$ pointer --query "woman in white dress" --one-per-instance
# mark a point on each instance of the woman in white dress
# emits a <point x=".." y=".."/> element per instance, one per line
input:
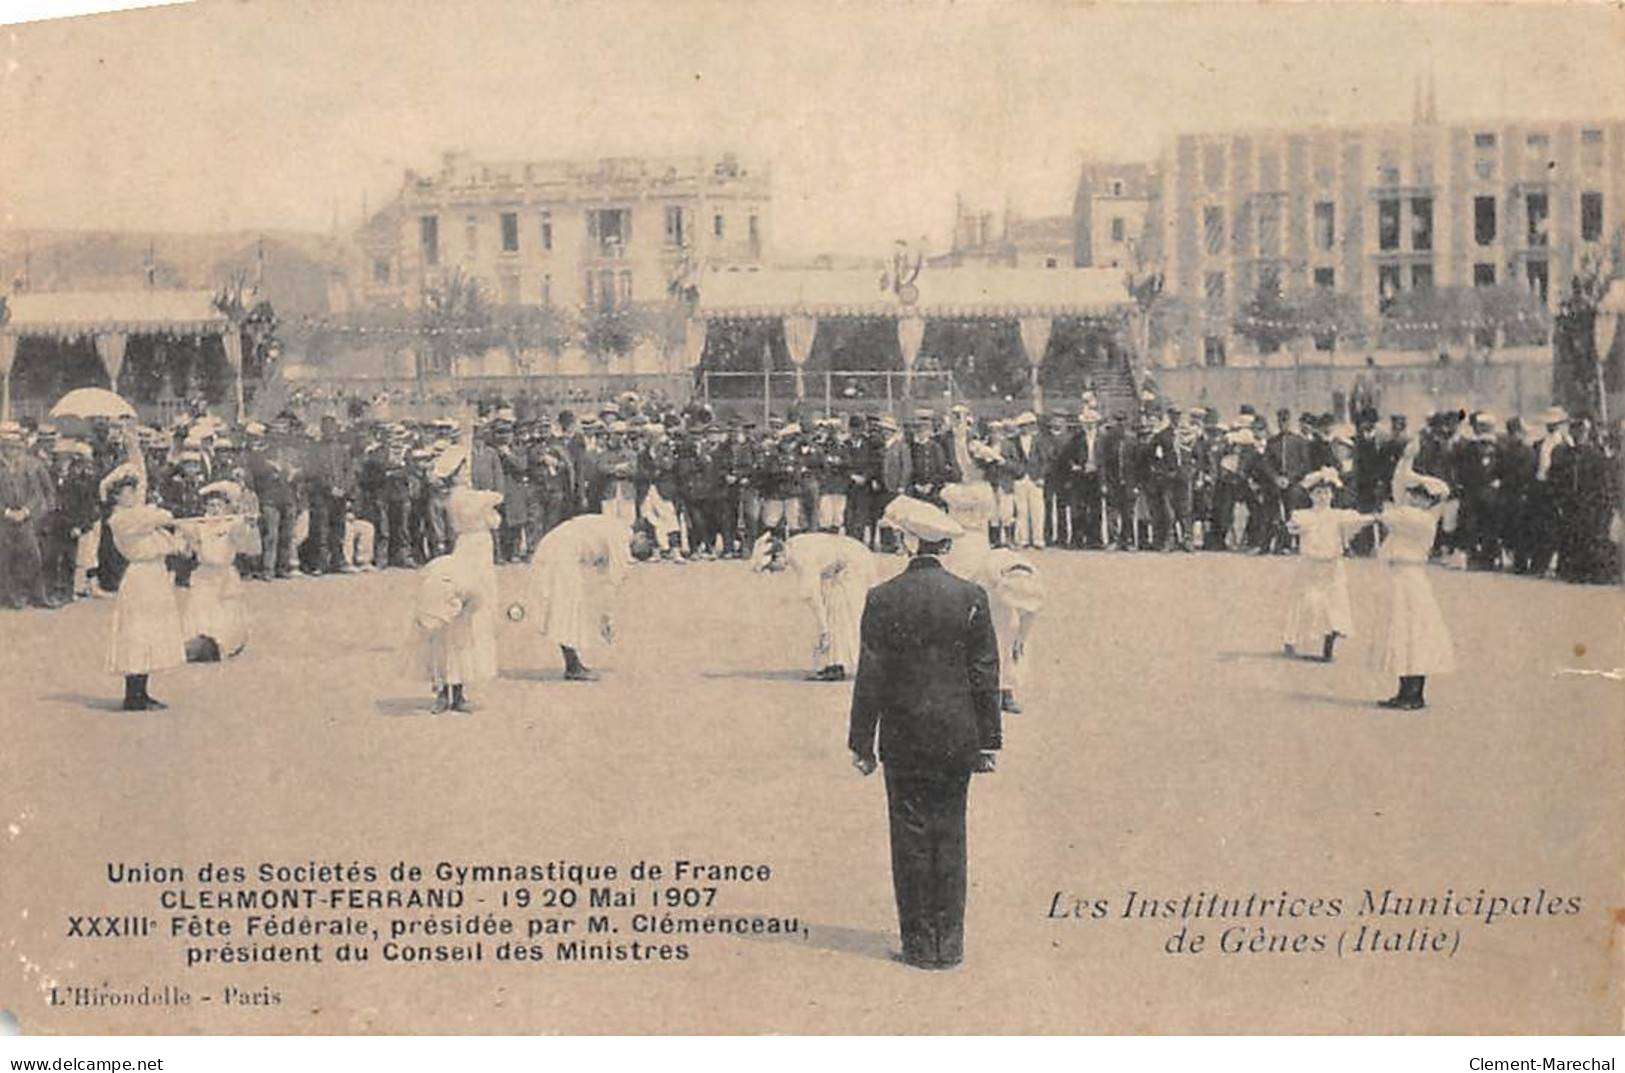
<point x="462" y="650"/>
<point x="1318" y="612"/>
<point x="834" y="574"/>
<point x="1418" y="642"/>
<point x="215" y="622"/>
<point x="146" y="618"/>
<point x="576" y="569"/>
<point x="1014" y="592"/>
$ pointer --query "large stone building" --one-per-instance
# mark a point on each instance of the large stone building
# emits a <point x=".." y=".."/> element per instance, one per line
<point x="574" y="233"/>
<point x="1371" y="212"/>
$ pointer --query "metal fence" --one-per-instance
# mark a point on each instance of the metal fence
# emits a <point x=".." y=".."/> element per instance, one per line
<point x="827" y="391"/>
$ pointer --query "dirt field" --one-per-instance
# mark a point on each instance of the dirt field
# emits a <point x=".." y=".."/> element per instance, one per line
<point x="1167" y="749"/>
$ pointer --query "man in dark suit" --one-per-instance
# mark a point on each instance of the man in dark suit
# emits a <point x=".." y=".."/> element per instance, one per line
<point x="928" y="679"/>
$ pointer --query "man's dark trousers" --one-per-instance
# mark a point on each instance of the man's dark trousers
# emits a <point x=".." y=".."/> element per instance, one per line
<point x="927" y="812"/>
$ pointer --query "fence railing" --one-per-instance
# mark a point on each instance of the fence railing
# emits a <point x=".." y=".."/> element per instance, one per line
<point x="828" y="391"/>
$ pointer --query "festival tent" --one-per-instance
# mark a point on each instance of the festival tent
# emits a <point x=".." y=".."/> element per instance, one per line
<point x="110" y="318"/>
<point x="1033" y="298"/>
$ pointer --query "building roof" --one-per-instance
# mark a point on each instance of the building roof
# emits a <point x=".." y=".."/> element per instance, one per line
<point x="970" y="291"/>
<point x="63" y="313"/>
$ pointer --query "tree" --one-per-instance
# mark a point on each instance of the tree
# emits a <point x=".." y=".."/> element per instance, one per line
<point x="455" y="323"/>
<point x="1576" y="382"/>
<point x="1268" y="320"/>
<point x="524" y="330"/>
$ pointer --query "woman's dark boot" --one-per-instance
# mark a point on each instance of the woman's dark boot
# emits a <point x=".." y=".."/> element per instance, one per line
<point x="135" y="691"/>
<point x="459" y="702"/>
<point x="1400" y="699"/>
<point x="574" y="669"/>
<point x="442" y="700"/>
<point x="1327" y="649"/>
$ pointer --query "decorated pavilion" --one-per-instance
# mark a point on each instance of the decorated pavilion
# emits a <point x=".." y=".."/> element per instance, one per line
<point x="802" y="300"/>
<point x="81" y="338"/>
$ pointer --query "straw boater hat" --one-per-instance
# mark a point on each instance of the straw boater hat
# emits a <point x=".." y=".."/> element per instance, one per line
<point x="10" y="432"/>
<point x="1554" y="415"/>
<point x="1025" y="418"/>
<point x="74" y="447"/>
<point x="920" y="519"/>
<point x="450" y="461"/>
<point x="230" y="491"/>
<point x="1326" y="477"/>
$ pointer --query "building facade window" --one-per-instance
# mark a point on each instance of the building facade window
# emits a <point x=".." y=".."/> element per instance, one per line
<point x="471" y="234"/>
<point x="624" y="289"/>
<point x="547" y="290"/>
<point x="1591" y="148"/>
<point x="1326" y="279"/>
<point x="510" y="288"/>
<point x="675" y="232"/>
<point x="1421" y="223"/>
<point x="1269" y="229"/>
<point x="1388" y="224"/>
<point x="1388" y="286"/>
<point x="1484" y="140"/>
<point x="380" y="271"/>
<point x="717" y="226"/>
<point x="1591" y="216"/>
<point x="1212" y="165"/>
<point x="1483" y="274"/>
<point x="1540" y="278"/>
<point x="1422" y="277"/>
<point x="510" y="232"/>
<point x="1537" y="148"/>
<point x="1213" y="289"/>
<point x="547" y="229"/>
<point x="1484" y="220"/>
<point x="1213" y="351"/>
<point x="754" y="225"/>
<point x="1117" y="188"/>
<point x="1538" y="209"/>
<point x="1118" y="229"/>
<point x="1325" y="225"/>
<point x="429" y="239"/>
<point x="1213" y="230"/>
<point x="610" y="230"/>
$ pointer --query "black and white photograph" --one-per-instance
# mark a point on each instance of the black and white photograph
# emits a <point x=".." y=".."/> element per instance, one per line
<point x="787" y="518"/>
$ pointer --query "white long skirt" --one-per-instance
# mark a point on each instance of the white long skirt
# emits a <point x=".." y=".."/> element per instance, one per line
<point x="844" y="595"/>
<point x="1320" y="604"/>
<point x="1418" y="641"/>
<point x="214" y="608"/>
<point x="569" y="598"/>
<point x="146" y="622"/>
<point x="474" y="639"/>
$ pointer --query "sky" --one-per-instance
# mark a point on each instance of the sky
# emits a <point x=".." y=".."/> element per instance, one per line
<point x="874" y="116"/>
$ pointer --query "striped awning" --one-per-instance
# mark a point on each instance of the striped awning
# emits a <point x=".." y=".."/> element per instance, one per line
<point x="73" y="313"/>
<point x="962" y="292"/>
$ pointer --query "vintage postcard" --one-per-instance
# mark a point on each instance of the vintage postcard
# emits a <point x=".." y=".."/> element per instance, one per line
<point x="726" y="518"/>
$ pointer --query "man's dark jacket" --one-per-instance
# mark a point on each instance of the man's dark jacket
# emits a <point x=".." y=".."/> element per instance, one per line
<point x="928" y="673"/>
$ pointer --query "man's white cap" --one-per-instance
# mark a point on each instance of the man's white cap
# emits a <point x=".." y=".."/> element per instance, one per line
<point x="920" y="519"/>
<point x="1026" y="417"/>
<point x="450" y="461"/>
